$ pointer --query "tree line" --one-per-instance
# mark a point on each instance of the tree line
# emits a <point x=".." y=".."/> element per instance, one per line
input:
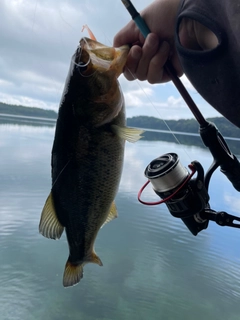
<point x="183" y="125"/>
<point x="26" y="111"/>
<point x="226" y="128"/>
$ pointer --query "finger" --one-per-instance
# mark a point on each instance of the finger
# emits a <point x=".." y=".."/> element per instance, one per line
<point x="156" y="65"/>
<point x="157" y="72"/>
<point x="176" y="64"/>
<point x="149" y="50"/>
<point x="132" y="62"/>
<point x="168" y="77"/>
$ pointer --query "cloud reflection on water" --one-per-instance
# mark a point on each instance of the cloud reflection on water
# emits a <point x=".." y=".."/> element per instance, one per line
<point x="153" y="267"/>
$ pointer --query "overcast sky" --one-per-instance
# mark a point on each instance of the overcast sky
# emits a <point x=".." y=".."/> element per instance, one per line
<point x="38" y="38"/>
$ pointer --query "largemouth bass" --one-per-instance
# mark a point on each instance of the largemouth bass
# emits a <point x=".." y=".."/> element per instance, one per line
<point x="87" y="154"/>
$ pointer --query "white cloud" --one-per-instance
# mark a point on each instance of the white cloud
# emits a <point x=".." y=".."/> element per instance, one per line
<point x="39" y="38"/>
<point x="138" y="98"/>
<point x="172" y="101"/>
<point x="145" y="99"/>
<point x="232" y="202"/>
<point x="27" y="101"/>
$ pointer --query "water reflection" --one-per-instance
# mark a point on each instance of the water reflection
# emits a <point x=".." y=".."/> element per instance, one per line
<point x="153" y="267"/>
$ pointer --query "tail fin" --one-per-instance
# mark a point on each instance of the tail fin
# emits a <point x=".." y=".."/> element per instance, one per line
<point x="73" y="273"/>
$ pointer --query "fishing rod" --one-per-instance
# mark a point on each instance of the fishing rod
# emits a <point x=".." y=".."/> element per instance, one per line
<point x="168" y="66"/>
<point x="187" y="198"/>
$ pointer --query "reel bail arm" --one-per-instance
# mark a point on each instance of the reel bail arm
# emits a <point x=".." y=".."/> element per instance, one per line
<point x="190" y="200"/>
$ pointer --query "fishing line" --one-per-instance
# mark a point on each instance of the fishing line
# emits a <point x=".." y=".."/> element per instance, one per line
<point x="82" y="65"/>
<point x="146" y="95"/>
<point x="134" y="77"/>
<point x="34" y="14"/>
<point x="164" y="121"/>
<point x="64" y="20"/>
<point x="152" y="104"/>
<point x="61" y="172"/>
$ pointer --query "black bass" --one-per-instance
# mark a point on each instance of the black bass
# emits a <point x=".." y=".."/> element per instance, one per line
<point x="87" y="153"/>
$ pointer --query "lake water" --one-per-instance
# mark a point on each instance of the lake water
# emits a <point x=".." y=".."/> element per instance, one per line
<point x="153" y="267"/>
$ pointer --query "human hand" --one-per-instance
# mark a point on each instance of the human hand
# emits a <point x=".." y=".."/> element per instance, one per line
<point x="147" y="57"/>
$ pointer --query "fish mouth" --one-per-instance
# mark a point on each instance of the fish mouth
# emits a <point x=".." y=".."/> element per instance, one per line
<point x="97" y="56"/>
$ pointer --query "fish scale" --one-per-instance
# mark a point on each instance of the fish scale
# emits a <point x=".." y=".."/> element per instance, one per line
<point x="87" y="154"/>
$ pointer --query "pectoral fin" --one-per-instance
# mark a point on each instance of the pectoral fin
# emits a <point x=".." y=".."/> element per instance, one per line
<point x="49" y="225"/>
<point x="112" y="214"/>
<point x="126" y="133"/>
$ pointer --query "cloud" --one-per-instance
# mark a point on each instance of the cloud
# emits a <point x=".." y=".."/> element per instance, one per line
<point x="138" y="97"/>
<point x="232" y="202"/>
<point x="146" y="99"/>
<point x="38" y="39"/>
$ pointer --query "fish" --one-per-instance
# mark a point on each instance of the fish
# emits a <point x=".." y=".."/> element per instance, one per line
<point x="87" y="153"/>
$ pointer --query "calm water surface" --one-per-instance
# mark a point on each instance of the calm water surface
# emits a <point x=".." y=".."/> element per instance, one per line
<point x="153" y="267"/>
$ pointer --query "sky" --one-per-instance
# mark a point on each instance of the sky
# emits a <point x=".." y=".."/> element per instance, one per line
<point x="38" y="39"/>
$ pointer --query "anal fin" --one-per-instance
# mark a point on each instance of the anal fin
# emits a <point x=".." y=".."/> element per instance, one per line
<point x="113" y="214"/>
<point x="93" y="258"/>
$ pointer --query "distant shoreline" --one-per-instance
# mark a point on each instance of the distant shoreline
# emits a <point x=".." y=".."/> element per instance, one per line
<point x="26" y="117"/>
<point x="186" y="130"/>
<point x="184" y="126"/>
<point x="15" y="110"/>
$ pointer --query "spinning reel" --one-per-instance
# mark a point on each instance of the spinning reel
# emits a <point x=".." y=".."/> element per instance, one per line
<point x="187" y="198"/>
